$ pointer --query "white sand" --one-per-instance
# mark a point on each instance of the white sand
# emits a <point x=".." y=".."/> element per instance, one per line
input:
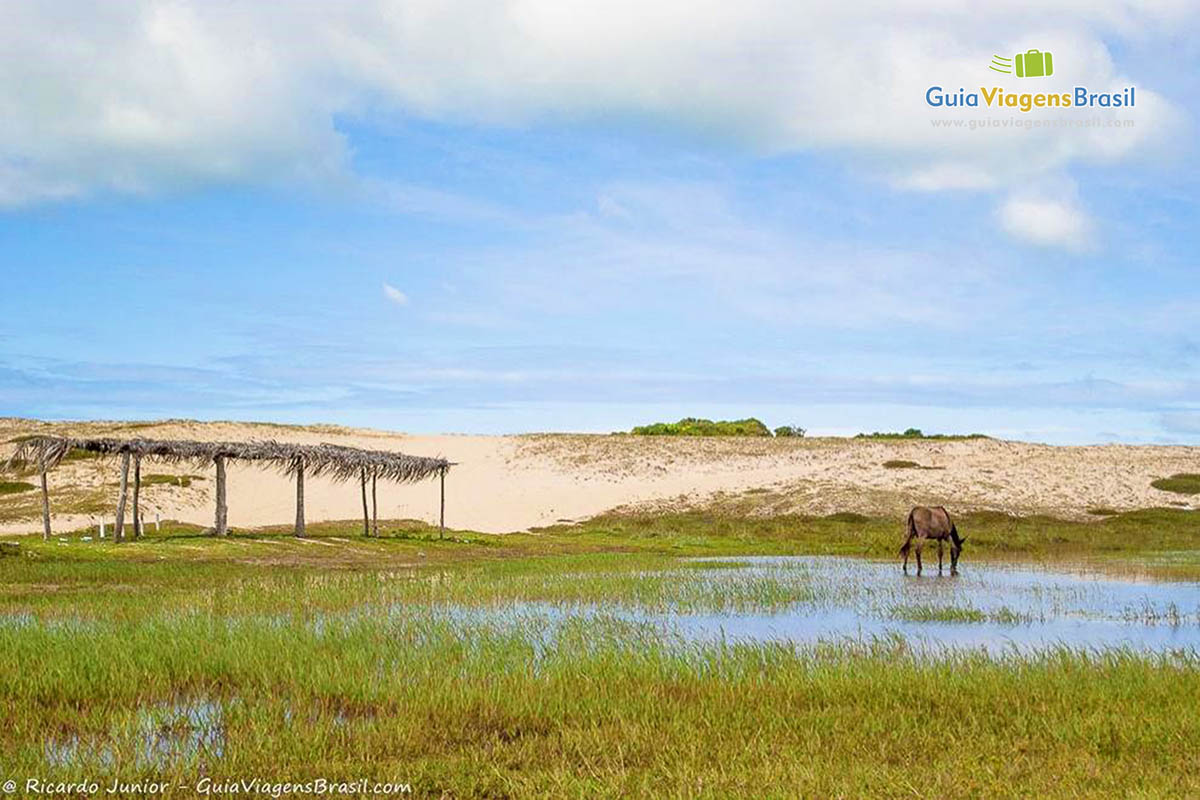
<point x="510" y="483"/>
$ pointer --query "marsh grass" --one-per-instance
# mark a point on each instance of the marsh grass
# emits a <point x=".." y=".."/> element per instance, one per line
<point x="263" y="655"/>
<point x="475" y="709"/>
<point x="964" y="614"/>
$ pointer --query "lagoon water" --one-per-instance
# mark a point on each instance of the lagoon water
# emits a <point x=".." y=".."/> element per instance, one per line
<point x="997" y="607"/>
<point x="1009" y="607"/>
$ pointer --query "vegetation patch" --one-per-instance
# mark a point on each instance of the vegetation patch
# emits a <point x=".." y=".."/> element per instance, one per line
<point x="82" y="455"/>
<point x="155" y="479"/>
<point x="1181" y="483"/>
<point x="916" y="433"/>
<point x="692" y="426"/>
<point x="790" y="430"/>
<point x="961" y="614"/>
<point x="15" y="487"/>
<point x="848" y="516"/>
<point x="218" y="656"/>
<point x="899" y="463"/>
<point x="1103" y="512"/>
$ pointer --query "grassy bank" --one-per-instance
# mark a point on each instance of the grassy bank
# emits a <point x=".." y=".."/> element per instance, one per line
<point x="480" y="711"/>
<point x="179" y="656"/>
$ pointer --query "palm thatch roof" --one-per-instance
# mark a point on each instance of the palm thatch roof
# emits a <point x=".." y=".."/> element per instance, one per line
<point x="338" y="462"/>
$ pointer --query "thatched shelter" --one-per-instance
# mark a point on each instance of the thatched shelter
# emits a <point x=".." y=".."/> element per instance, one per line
<point x="337" y="462"/>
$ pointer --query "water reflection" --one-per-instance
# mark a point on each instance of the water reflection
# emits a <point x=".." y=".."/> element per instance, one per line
<point x="996" y="607"/>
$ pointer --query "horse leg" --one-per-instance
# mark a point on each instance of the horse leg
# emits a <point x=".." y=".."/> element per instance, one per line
<point x="939" y="556"/>
<point x="920" y="547"/>
<point x="904" y="548"/>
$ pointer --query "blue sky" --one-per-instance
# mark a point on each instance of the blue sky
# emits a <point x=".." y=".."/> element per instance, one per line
<point x="516" y="219"/>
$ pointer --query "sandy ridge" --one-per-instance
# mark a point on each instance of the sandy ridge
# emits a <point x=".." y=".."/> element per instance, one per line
<point x="508" y="483"/>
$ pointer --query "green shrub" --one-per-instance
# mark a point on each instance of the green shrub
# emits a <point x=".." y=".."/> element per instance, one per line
<point x="691" y="426"/>
<point x="790" y="430"/>
<point x="1181" y="483"/>
<point x="917" y="433"/>
<point x="899" y="463"/>
<point x="15" y="487"/>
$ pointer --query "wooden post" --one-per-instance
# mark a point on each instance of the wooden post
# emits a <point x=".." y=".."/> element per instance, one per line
<point x="299" y="497"/>
<point x="137" y="485"/>
<point x="442" y="511"/>
<point x="374" y="507"/>
<point x="362" y="479"/>
<point x="45" y="508"/>
<point x="119" y="529"/>
<point x="221" y="523"/>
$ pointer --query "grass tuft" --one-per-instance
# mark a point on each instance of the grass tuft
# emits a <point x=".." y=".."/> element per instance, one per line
<point x="1181" y="483"/>
<point x="155" y="479"/>
<point x="900" y="463"/>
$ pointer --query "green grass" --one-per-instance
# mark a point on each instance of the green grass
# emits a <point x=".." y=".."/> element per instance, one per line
<point x="82" y="455"/>
<point x="963" y="614"/>
<point x="477" y="710"/>
<point x="155" y="479"/>
<point x="15" y="487"/>
<point x="260" y="655"/>
<point x="691" y="426"/>
<point x="1182" y="483"/>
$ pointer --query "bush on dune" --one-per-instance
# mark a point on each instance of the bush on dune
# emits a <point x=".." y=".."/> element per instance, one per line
<point x="917" y="433"/>
<point x="692" y="426"/>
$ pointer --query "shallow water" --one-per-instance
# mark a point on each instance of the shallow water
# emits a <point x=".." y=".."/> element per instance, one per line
<point x="1018" y="607"/>
<point x="995" y="607"/>
<point x="159" y="734"/>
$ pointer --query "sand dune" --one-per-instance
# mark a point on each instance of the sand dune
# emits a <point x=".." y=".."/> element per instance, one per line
<point x="509" y="483"/>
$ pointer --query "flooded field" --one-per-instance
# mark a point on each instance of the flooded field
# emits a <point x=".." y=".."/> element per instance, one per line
<point x="589" y="669"/>
<point x="996" y="607"/>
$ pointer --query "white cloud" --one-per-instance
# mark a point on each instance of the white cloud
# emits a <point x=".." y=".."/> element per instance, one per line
<point x="147" y="96"/>
<point x="939" y="177"/>
<point x="395" y="295"/>
<point x="1047" y="222"/>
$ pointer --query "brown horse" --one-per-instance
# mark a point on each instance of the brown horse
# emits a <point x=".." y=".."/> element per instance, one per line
<point x="931" y="523"/>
